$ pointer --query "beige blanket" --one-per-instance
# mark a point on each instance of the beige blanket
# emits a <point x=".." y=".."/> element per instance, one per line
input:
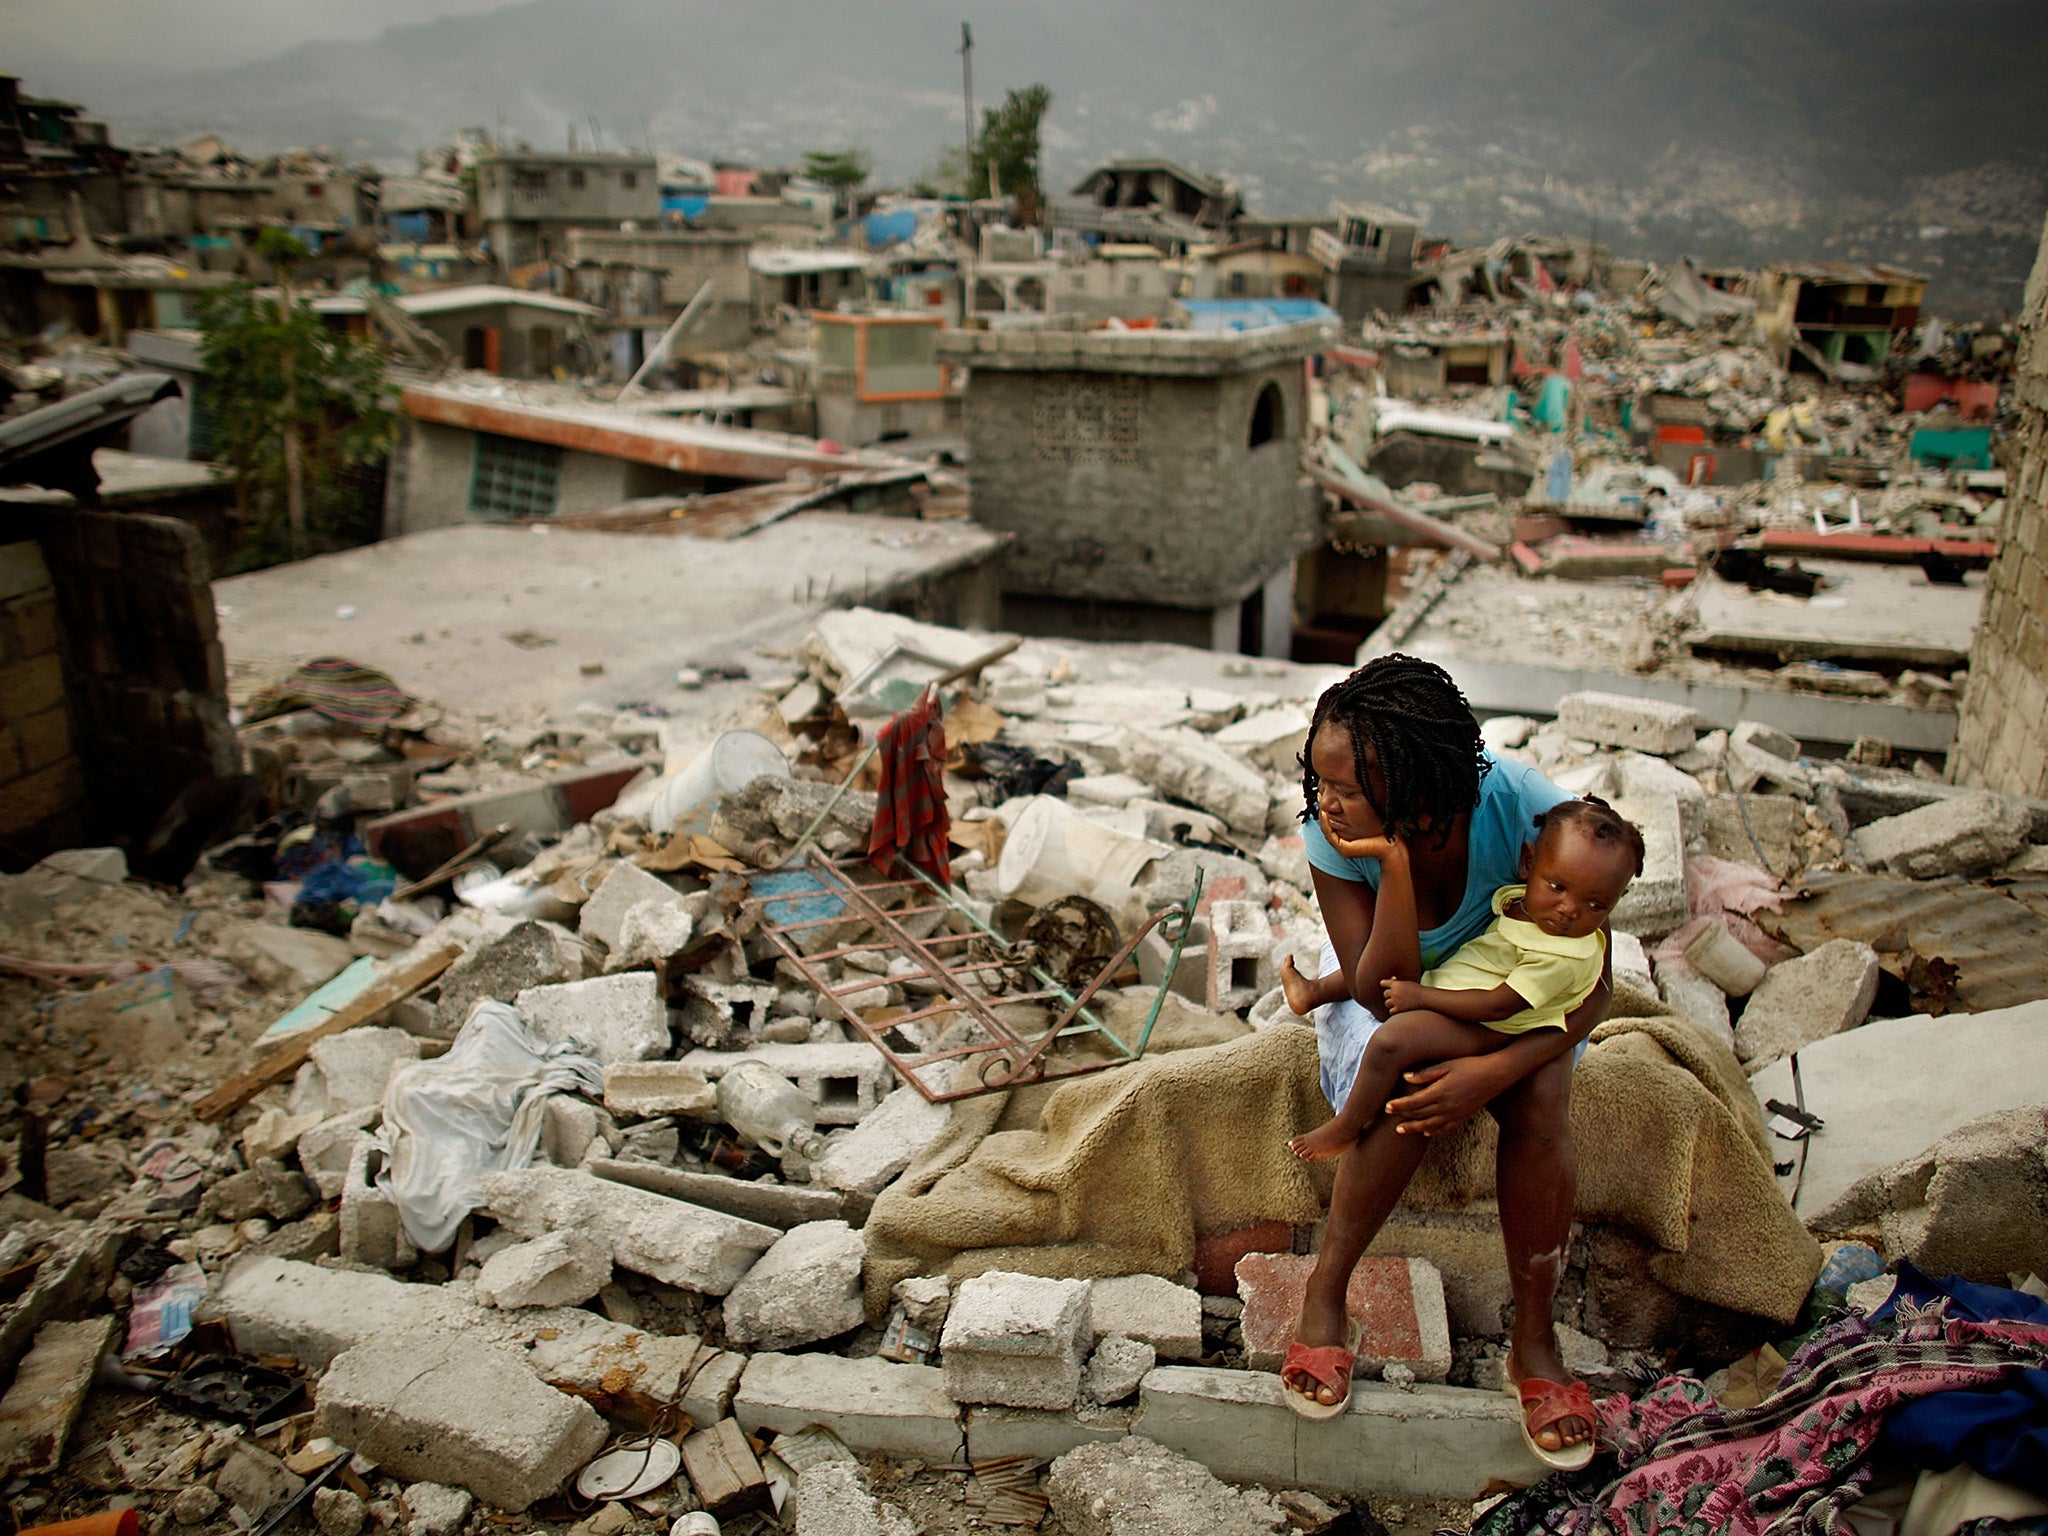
<point x="1119" y="1172"/>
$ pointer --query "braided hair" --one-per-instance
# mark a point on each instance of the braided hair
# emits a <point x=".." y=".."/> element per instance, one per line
<point x="1421" y="731"/>
<point x="1599" y="821"/>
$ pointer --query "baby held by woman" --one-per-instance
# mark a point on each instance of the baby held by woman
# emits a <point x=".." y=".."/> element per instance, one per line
<point x="1540" y="958"/>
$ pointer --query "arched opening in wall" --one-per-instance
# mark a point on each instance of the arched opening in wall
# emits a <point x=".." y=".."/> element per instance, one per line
<point x="1267" y="414"/>
<point x="1030" y="293"/>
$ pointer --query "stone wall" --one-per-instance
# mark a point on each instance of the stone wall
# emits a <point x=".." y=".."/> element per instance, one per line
<point x="2003" y="740"/>
<point x="138" y="670"/>
<point x="42" y="788"/>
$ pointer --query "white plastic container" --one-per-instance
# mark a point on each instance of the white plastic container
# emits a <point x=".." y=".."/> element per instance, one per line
<point x="730" y="763"/>
<point x="1725" y="960"/>
<point x="1052" y="852"/>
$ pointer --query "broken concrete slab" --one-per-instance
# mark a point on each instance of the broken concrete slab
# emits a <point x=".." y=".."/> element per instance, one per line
<point x="1806" y="999"/>
<point x="775" y="1205"/>
<point x="310" y="1314"/>
<point x="1430" y="1442"/>
<point x="1016" y="1340"/>
<point x="1152" y="1310"/>
<point x="435" y="1509"/>
<point x="372" y="1228"/>
<point x="1761" y="755"/>
<point x="558" y="1269"/>
<point x="1116" y="1368"/>
<point x="1687" y="992"/>
<point x="273" y="955"/>
<point x="650" y="1088"/>
<point x="1975" y="1203"/>
<point x="682" y="1245"/>
<point x="1968" y="835"/>
<point x="805" y="1288"/>
<point x="618" y="1018"/>
<point x="1187" y="766"/>
<point x="625" y="887"/>
<point x="1893" y="1088"/>
<point x="845" y="1081"/>
<point x="256" y="1482"/>
<point x="1397" y="1303"/>
<point x="868" y="1158"/>
<point x="1137" y="1484"/>
<point x="348" y="1071"/>
<point x="532" y="954"/>
<point x="1655" y="901"/>
<point x="458" y="1411"/>
<point x="1272" y="739"/>
<point x="832" y="1498"/>
<point x="873" y="1405"/>
<point x="1616" y="720"/>
<point x="49" y="1387"/>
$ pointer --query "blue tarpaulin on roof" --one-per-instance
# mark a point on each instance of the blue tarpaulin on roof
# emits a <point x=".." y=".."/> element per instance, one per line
<point x="888" y="228"/>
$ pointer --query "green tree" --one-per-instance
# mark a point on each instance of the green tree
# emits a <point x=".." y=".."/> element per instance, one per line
<point x="295" y="406"/>
<point x="1008" y="149"/>
<point x="843" y="170"/>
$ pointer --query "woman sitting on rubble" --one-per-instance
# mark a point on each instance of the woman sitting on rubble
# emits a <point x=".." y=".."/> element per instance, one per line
<point x="1394" y="752"/>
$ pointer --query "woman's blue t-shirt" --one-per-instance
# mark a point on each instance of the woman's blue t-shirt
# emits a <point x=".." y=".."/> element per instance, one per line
<point x="1511" y="797"/>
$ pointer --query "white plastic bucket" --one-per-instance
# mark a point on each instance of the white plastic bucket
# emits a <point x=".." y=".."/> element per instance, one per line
<point x="1724" y="960"/>
<point x="730" y="763"/>
<point x="1051" y="852"/>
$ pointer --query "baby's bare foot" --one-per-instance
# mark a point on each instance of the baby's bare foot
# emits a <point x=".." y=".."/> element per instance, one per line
<point x="1326" y="1141"/>
<point x="1301" y="996"/>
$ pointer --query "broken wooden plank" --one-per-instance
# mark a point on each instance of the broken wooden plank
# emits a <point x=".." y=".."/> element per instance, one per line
<point x="39" y="1410"/>
<point x="281" y="1063"/>
<point x="723" y="1467"/>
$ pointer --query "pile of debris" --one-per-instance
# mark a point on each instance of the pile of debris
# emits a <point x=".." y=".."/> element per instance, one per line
<point x="529" y="1143"/>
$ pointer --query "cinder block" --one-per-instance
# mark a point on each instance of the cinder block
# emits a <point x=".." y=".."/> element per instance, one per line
<point x="372" y="1231"/>
<point x="619" y="1018"/>
<point x="846" y="1081"/>
<point x="1150" y="1309"/>
<point x="1799" y="1001"/>
<point x="1616" y="720"/>
<point x="720" y="1014"/>
<point x="1016" y="1340"/>
<point x="805" y="1288"/>
<point x="873" y="1405"/>
<point x="994" y="1432"/>
<point x="432" y="1408"/>
<point x="1191" y="975"/>
<point x="1397" y="1303"/>
<point x="649" y="1088"/>
<point x="1240" y="950"/>
<point x="559" y="1269"/>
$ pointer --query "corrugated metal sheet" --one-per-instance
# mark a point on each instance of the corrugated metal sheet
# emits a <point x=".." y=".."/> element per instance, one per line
<point x="1994" y="934"/>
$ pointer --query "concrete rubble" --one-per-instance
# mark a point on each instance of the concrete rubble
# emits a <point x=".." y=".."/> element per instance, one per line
<point x="653" y="1249"/>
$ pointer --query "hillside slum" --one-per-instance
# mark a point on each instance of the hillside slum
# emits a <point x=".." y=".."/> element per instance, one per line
<point x="611" y="1144"/>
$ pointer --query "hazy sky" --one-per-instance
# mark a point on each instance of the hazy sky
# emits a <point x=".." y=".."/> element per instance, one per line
<point x="58" y="45"/>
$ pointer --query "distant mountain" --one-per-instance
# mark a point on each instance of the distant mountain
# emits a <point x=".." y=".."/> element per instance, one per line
<point x="1901" y="130"/>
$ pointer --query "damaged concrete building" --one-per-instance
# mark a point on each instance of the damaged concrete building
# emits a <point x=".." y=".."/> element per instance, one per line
<point x="1150" y="479"/>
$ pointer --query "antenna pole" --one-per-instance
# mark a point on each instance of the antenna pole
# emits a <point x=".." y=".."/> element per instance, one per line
<point x="967" y="90"/>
